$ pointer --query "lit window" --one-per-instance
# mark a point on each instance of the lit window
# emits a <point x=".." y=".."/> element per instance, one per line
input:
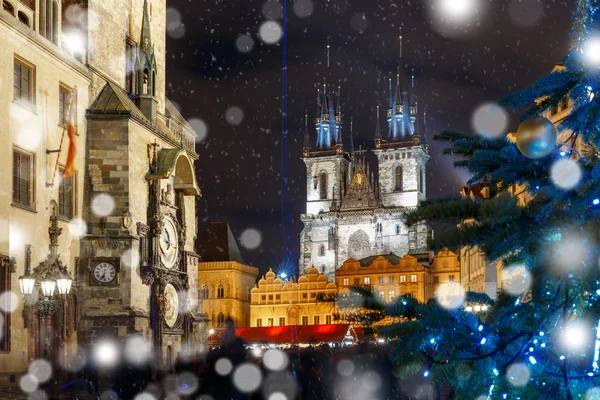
<point x="367" y="280"/>
<point x="281" y="321"/>
<point x="259" y="322"/>
<point x="205" y="292"/>
<point x="220" y="320"/>
<point x="220" y="292"/>
<point x="269" y="321"/>
<point x="391" y="295"/>
<point x="451" y="278"/>
<point x="391" y="279"/>
<point x="413" y="278"/>
<point x="380" y="280"/>
<point x="65" y="197"/>
<point x="381" y="295"/>
<point x="23" y="82"/>
<point x="345" y="281"/>
<point x="402" y="278"/>
<point x="23" y="173"/>
<point x="316" y="320"/>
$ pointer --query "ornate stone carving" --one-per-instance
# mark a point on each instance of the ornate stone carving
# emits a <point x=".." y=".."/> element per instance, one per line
<point x="10" y="262"/>
<point x="157" y="224"/>
<point x="142" y="229"/>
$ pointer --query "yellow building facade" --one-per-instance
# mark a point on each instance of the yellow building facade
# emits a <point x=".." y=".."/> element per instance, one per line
<point x="225" y="292"/>
<point x="276" y="302"/>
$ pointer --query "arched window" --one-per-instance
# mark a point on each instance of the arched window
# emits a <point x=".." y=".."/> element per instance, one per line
<point x="323" y="188"/>
<point x="23" y="18"/>
<point x="321" y="250"/>
<point x="220" y="292"/>
<point x="397" y="229"/>
<point x="322" y="269"/>
<point x="398" y="179"/>
<point x="422" y="181"/>
<point x="9" y="8"/>
<point x="205" y="292"/>
<point x="220" y="320"/>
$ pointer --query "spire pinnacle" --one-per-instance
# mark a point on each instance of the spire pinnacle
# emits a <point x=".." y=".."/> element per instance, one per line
<point x="351" y="135"/>
<point x="377" y="127"/>
<point x="413" y="79"/>
<point x="306" y="138"/>
<point x="146" y="39"/>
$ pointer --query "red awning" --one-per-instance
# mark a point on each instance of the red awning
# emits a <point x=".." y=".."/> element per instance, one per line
<point x="297" y="333"/>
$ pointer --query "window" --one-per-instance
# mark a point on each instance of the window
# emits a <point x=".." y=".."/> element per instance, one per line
<point x="313" y="295"/>
<point x="356" y="281"/>
<point x="381" y="295"/>
<point x="23" y="18"/>
<point x="413" y="278"/>
<point x="451" y="278"/>
<point x="270" y="297"/>
<point x="281" y="321"/>
<point x="23" y="178"/>
<point x="436" y="279"/>
<point x="278" y="297"/>
<point x="345" y="282"/>
<point x="130" y="68"/>
<point x="321" y="250"/>
<point x="205" y="292"/>
<point x="259" y="322"/>
<point x="391" y="279"/>
<point x="304" y="296"/>
<point x="5" y="305"/>
<point x="220" y="320"/>
<point x="316" y="320"/>
<point x="65" y="197"/>
<point x="367" y="280"/>
<point x="398" y="179"/>
<point x="6" y="6"/>
<point x="264" y="297"/>
<point x="402" y="278"/>
<point x="323" y="188"/>
<point x="328" y="319"/>
<point x="49" y="20"/>
<point x="380" y="280"/>
<point x="23" y="82"/>
<point x="269" y="321"/>
<point x="391" y="295"/>
<point x="422" y="182"/>
<point x="305" y="320"/>
<point x="397" y="229"/>
<point x="220" y="292"/>
<point x="64" y="102"/>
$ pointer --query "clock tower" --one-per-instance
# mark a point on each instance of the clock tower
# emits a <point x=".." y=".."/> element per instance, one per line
<point x="137" y="270"/>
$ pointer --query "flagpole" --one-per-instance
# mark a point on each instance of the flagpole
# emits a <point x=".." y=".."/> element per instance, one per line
<point x="62" y="137"/>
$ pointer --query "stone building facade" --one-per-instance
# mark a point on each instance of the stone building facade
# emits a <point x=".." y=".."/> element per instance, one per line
<point x="278" y="302"/>
<point x="225" y="291"/>
<point x="133" y="186"/>
<point x="38" y="74"/>
<point x="353" y="211"/>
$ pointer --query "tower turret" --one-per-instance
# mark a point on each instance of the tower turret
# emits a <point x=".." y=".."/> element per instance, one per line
<point x="146" y="71"/>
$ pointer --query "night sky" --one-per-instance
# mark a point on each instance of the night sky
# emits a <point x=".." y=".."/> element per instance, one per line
<point x="507" y="46"/>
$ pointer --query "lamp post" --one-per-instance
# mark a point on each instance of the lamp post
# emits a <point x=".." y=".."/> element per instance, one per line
<point x="51" y="277"/>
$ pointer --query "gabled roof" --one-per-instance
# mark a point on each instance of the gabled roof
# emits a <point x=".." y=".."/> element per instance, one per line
<point x="113" y="100"/>
<point x="218" y="244"/>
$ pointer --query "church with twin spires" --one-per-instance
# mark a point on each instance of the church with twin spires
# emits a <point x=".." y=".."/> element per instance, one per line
<point x="353" y="211"/>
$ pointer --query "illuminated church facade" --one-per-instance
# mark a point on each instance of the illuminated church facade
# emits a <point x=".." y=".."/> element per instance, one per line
<point x="352" y="210"/>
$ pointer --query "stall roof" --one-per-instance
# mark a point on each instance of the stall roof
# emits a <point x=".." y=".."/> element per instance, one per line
<point x="298" y="333"/>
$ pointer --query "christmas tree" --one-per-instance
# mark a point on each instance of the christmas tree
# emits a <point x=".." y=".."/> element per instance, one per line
<point x="541" y="337"/>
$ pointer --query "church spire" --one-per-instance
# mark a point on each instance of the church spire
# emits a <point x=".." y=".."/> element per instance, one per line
<point x="306" y="147"/>
<point x="146" y="39"/>
<point x="377" y="131"/>
<point x="351" y="136"/>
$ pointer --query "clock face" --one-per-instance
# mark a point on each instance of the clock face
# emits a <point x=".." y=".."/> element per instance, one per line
<point x="104" y="272"/>
<point x="169" y="243"/>
<point x="171" y="305"/>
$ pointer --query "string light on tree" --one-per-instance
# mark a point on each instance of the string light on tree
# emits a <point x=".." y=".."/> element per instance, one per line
<point x="591" y="51"/>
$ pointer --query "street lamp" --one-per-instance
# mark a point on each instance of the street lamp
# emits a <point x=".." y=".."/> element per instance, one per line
<point x="51" y="274"/>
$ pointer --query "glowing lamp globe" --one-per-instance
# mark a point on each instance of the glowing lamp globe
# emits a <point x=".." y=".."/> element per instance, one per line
<point x="64" y="283"/>
<point x="48" y="285"/>
<point x="591" y="50"/>
<point x="26" y="282"/>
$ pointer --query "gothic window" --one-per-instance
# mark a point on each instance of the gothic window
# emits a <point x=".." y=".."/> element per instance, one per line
<point x="130" y="60"/>
<point x="321" y="250"/>
<point x="398" y="179"/>
<point x="220" y="320"/>
<point x="322" y="269"/>
<point x="323" y="188"/>
<point x="220" y="292"/>
<point x="397" y="229"/>
<point x="145" y="82"/>
<point x="358" y="245"/>
<point x="24" y="18"/>
<point x="422" y="181"/>
<point x="205" y="292"/>
<point x="49" y="20"/>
